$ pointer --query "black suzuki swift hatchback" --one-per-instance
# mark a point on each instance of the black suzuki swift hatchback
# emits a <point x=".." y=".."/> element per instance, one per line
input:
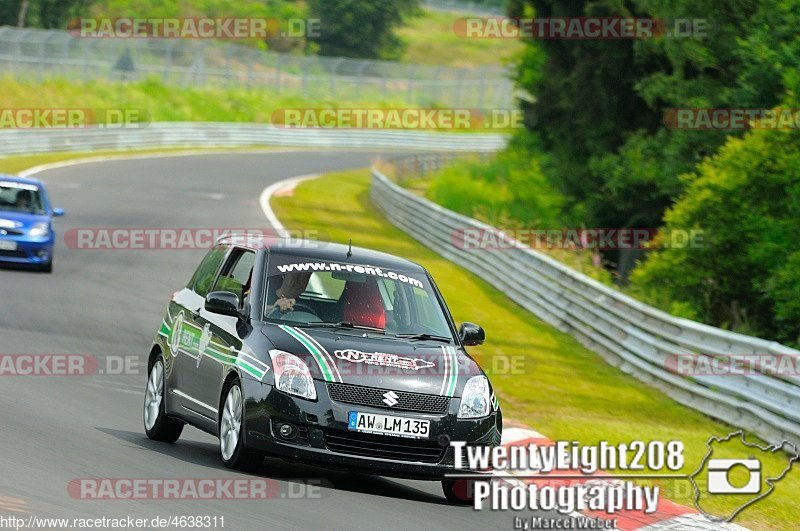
<point x="322" y="353"/>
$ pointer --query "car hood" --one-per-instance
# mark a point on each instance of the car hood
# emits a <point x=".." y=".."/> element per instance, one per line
<point x="20" y="220"/>
<point x="374" y="361"/>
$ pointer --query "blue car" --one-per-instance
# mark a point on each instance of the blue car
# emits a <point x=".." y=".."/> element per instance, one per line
<point x="26" y="223"/>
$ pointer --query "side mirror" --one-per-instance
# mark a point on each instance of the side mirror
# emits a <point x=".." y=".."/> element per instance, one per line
<point x="58" y="212"/>
<point x="471" y="334"/>
<point x="223" y="303"/>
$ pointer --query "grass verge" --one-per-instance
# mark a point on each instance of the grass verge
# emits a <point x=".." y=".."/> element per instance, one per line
<point x="163" y="103"/>
<point x="431" y="40"/>
<point x="563" y="390"/>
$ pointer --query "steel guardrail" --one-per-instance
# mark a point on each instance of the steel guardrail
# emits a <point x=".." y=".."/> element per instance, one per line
<point x="637" y="338"/>
<point x="207" y="134"/>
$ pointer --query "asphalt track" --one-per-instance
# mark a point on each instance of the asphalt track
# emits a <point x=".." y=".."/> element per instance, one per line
<point x="110" y="303"/>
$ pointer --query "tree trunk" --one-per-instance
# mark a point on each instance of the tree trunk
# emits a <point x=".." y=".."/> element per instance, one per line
<point x="23" y="13"/>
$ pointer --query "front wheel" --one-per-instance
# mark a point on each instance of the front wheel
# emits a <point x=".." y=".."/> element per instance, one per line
<point x="157" y="424"/>
<point x="232" y="450"/>
<point x="459" y="491"/>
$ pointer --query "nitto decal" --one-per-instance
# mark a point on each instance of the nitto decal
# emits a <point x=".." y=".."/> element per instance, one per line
<point x="384" y="360"/>
<point x="328" y="368"/>
<point x="450" y="371"/>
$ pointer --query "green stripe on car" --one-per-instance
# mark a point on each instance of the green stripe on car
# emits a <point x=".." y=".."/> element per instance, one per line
<point x="451" y="387"/>
<point x="227" y="359"/>
<point x="313" y="350"/>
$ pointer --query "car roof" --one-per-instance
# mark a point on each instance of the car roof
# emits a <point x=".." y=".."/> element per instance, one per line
<point x="20" y="180"/>
<point x="323" y="251"/>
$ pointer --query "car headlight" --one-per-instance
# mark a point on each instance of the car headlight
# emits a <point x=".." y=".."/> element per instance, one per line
<point x="39" y="229"/>
<point x="292" y="375"/>
<point x="475" y="398"/>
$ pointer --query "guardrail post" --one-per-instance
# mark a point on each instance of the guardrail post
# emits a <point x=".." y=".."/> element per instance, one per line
<point x="278" y="68"/>
<point x="457" y="89"/>
<point x="229" y="50"/>
<point x="42" y="54"/>
<point x="360" y="77"/>
<point x="410" y="80"/>
<point x="482" y="86"/>
<point x="332" y="74"/>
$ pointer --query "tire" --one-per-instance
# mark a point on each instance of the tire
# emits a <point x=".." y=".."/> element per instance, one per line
<point x="459" y="492"/>
<point x="46" y="267"/>
<point x="231" y="426"/>
<point x="157" y="424"/>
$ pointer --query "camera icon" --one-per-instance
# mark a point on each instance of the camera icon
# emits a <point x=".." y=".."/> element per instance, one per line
<point x="720" y="483"/>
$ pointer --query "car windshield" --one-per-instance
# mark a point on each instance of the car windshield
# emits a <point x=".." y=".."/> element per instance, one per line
<point x="354" y="296"/>
<point x="20" y="197"/>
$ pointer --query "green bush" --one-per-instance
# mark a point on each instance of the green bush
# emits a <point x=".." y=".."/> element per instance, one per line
<point x="511" y="192"/>
<point x="746" y="276"/>
<point x="509" y="189"/>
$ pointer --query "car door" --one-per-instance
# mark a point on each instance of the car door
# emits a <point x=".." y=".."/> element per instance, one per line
<point x="220" y="337"/>
<point x="189" y="335"/>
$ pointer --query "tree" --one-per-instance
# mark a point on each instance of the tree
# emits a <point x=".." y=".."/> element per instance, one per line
<point x="41" y="13"/>
<point x="360" y="28"/>
<point x="600" y="104"/>
<point x="746" y="200"/>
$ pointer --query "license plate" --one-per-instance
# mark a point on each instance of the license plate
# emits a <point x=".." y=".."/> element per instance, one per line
<point x="7" y="245"/>
<point x="388" y="425"/>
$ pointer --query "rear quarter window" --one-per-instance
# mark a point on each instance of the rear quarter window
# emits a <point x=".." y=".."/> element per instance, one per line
<point x="204" y="277"/>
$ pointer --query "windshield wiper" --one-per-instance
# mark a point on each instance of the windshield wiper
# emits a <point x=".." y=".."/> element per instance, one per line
<point x="342" y="324"/>
<point x="424" y="337"/>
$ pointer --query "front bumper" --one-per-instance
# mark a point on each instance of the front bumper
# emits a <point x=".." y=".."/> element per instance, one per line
<point x="326" y="441"/>
<point x="28" y="250"/>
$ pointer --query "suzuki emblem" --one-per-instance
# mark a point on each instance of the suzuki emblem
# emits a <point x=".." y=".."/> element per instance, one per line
<point x="390" y="398"/>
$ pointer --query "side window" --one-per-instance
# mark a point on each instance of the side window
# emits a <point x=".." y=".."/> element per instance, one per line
<point x="235" y="276"/>
<point x="204" y="276"/>
<point x="425" y="309"/>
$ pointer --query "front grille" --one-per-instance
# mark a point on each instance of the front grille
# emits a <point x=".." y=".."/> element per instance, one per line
<point x="373" y="397"/>
<point x="13" y="254"/>
<point x="397" y="448"/>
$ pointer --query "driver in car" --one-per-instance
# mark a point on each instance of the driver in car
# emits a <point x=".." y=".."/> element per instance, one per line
<point x="292" y="286"/>
<point x="23" y="200"/>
